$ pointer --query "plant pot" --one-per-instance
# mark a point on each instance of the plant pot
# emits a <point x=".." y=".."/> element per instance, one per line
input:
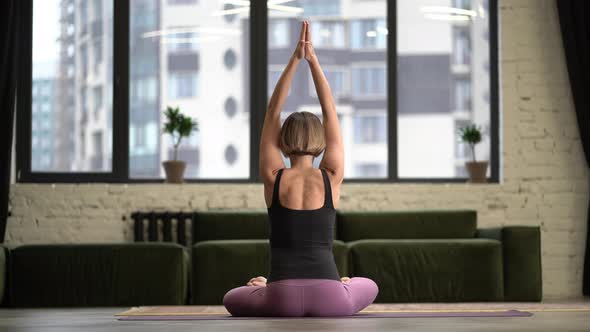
<point x="174" y="170"/>
<point x="477" y="171"/>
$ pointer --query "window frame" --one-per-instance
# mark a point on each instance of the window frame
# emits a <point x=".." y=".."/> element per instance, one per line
<point x="258" y="96"/>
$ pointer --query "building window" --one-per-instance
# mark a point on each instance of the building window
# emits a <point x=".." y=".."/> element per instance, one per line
<point x="182" y="85"/>
<point x="369" y="82"/>
<point x="139" y="136"/>
<point x="337" y="79"/>
<point x="278" y="33"/>
<point x="462" y="4"/>
<point x="97" y="97"/>
<point x="229" y="17"/>
<point x="328" y="34"/>
<point x="370" y="170"/>
<point x="97" y="55"/>
<point x="144" y="90"/>
<point x="230" y="107"/>
<point x="319" y="8"/>
<point x="97" y="9"/>
<point x="181" y="41"/>
<point x="83" y="14"/>
<point x="369" y="33"/>
<point x="273" y="78"/>
<point x="463" y="95"/>
<point x="97" y="159"/>
<point x="462" y="46"/>
<point x="84" y="60"/>
<point x="230" y="59"/>
<point x="370" y="129"/>
<point x="231" y="154"/>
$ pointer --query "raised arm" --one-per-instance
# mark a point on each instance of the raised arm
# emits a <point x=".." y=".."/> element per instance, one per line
<point x="333" y="159"/>
<point x="270" y="155"/>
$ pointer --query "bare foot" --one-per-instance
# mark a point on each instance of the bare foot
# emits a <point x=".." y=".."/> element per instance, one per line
<point x="258" y="281"/>
<point x="345" y="280"/>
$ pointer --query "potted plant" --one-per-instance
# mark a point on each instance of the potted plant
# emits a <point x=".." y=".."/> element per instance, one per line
<point x="477" y="170"/>
<point x="178" y="126"/>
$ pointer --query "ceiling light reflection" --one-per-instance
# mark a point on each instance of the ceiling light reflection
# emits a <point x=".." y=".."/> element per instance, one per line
<point x="200" y="30"/>
<point x="447" y="10"/>
<point x="446" y="17"/>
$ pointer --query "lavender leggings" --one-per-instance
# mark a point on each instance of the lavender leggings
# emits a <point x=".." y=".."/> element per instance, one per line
<point x="302" y="297"/>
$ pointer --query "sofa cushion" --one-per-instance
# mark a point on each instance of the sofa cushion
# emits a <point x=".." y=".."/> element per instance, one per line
<point x="430" y="270"/>
<point x="122" y="274"/>
<point x="230" y="225"/>
<point x="429" y="224"/>
<point x="220" y="265"/>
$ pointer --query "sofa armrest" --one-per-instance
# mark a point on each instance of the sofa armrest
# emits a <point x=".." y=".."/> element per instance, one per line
<point x="521" y="254"/>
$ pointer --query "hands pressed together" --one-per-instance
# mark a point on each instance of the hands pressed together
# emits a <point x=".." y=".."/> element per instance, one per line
<point x="258" y="281"/>
<point x="304" y="47"/>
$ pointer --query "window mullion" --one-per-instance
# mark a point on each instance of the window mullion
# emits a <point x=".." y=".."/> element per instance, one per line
<point x="258" y="80"/>
<point x="392" y="162"/>
<point x="494" y="93"/>
<point x="120" y="138"/>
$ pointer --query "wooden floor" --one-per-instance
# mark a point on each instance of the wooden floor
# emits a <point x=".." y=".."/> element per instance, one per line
<point x="549" y="316"/>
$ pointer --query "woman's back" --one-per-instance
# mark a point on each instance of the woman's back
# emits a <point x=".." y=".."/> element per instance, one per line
<point x="301" y="239"/>
<point x="301" y="189"/>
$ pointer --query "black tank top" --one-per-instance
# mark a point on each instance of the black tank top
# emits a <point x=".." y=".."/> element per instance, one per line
<point x="301" y="240"/>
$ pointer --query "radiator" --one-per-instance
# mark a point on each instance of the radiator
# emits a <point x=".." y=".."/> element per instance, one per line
<point x="164" y="226"/>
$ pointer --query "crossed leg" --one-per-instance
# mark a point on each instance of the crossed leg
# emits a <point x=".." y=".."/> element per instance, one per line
<point x="363" y="292"/>
<point x="246" y="301"/>
<point x="302" y="298"/>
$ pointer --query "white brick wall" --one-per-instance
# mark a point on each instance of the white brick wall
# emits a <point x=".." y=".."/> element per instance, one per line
<point x="545" y="178"/>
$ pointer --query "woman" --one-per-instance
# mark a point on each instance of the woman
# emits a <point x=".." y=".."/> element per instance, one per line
<point x="303" y="278"/>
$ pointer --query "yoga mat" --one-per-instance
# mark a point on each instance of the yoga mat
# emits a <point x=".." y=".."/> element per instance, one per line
<point x="380" y="314"/>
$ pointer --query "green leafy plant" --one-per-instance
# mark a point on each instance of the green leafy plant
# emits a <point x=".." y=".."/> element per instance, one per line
<point x="178" y="126"/>
<point x="471" y="134"/>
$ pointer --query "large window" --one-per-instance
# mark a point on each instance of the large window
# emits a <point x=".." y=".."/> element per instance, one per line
<point x="70" y="118"/>
<point x="404" y="79"/>
<point x="188" y="56"/>
<point x="442" y="80"/>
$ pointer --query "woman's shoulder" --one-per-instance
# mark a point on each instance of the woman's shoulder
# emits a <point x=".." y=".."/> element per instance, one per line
<point x="268" y="176"/>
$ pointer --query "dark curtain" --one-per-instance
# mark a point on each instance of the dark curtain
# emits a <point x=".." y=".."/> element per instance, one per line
<point x="10" y="13"/>
<point x="574" y="16"/>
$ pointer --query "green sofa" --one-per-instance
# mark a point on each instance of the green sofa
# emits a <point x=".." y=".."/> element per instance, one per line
<point x="75" y="275"/>
<point x="413" y="256"/>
